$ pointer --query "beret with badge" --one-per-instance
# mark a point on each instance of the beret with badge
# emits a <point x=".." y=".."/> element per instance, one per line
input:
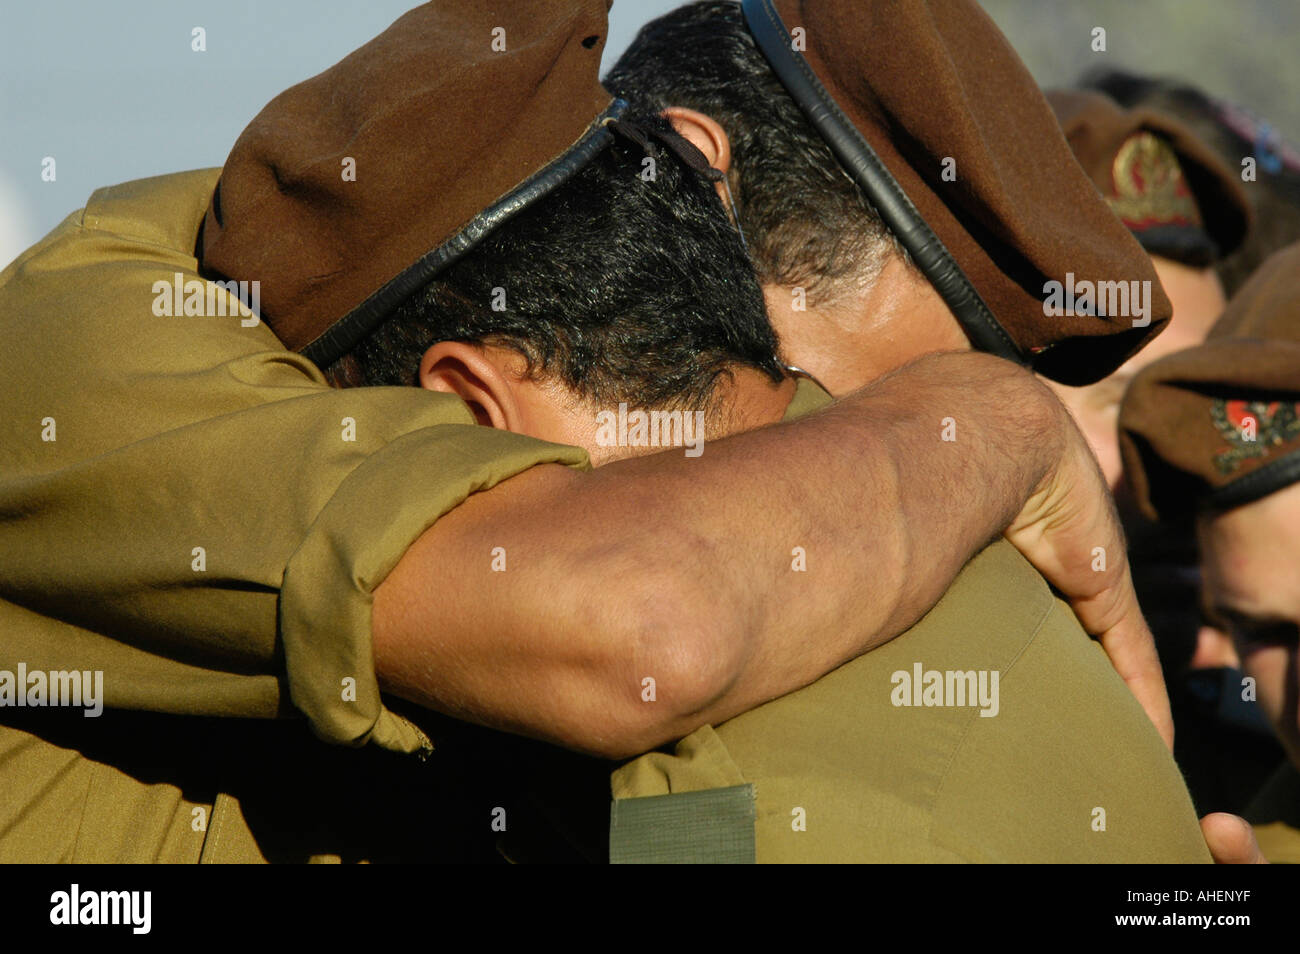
<point x="1174" y="194"/>
<point x="1218" y="426"/>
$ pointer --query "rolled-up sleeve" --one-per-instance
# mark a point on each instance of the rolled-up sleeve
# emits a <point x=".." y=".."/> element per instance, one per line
<point x="191" y="509"/>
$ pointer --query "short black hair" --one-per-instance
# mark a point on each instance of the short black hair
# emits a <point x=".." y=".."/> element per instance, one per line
<point x="627" y="283"/>
<point x="1225" y="128"/>
<point x="807" y="223"/>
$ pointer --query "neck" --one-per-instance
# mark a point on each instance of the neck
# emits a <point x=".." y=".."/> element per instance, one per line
<point x="863" y="333"/>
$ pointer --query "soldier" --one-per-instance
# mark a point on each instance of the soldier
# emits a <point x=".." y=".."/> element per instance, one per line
<point x="849" y="133"/>
<point x="893" y="202"/>
<point x="1184" y="207"/>
<point x="888" y="203"/>
<point x="1213" y="433"/>
<point x="194" y="512"/>
<point x="1267" y="163"/>
<point x="1190" y="213"/>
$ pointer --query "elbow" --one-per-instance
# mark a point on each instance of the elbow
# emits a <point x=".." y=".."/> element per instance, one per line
<point x="678" y="661"/>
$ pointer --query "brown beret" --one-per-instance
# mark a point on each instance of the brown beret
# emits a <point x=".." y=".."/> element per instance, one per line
<point x="1167" y="186"/>
<point x="1218" y="425"/>
<point x="351" y="189"/>
<point x="908" y="92"/>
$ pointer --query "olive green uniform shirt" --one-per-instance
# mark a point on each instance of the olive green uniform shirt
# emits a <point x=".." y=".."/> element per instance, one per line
<point x="188" y="508"/>
<point x="1069" y="769"/>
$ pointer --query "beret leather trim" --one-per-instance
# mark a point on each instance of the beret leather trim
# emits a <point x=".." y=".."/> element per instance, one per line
<point x="339" y="338"/>
<point x="876" y="182"/>
<point x="1257" y="484"/>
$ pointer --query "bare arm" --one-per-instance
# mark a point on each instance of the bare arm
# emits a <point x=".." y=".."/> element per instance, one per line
<point x="678" y="570"/>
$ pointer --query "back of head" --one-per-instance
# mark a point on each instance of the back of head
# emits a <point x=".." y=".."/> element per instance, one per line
<point x="459" y="180"/>
<point x="626" y="283"/>
<point x="806" y="222"/>
<point x="842" y="157"/>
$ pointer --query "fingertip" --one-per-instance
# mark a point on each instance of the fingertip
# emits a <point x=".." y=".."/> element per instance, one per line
<point x="1231" y="839"/>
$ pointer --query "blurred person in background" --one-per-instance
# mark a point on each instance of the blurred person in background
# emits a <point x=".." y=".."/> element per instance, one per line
<point x="1212" y="434"/>
<point x="1189" y="210"/>
<point x="1271" y="181"/>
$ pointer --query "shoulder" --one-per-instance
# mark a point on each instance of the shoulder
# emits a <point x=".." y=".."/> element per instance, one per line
<point x="162" y="210"/>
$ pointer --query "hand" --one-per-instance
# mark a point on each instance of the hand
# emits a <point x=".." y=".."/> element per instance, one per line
<point x="1069" y="530"/>
<point x="1231" y="840"/>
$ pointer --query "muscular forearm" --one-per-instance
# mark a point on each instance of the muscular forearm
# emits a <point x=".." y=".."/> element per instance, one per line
<point x="659" y="593"/>
<point x="884" y="510"/>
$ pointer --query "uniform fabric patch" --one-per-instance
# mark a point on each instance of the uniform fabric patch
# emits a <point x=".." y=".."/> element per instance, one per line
<point x="712" y="826"/>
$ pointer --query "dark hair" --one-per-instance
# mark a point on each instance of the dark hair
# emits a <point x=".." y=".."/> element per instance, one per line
<point x="807" y="223"/>
<point x="1233" y="133"/>
<point x="627" y="283"/>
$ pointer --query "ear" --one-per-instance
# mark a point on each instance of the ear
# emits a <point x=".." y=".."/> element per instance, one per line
<point x="705" y="135"/>
<point x="480" y="377"/>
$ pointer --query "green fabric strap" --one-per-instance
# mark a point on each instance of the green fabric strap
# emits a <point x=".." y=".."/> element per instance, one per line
<point x="713" y="826"/>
